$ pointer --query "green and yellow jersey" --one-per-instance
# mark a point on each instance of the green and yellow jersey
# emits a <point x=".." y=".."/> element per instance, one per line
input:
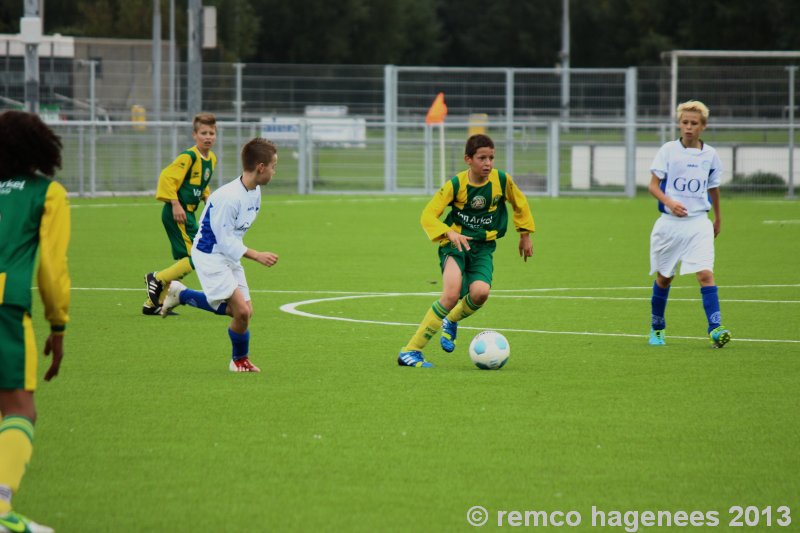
<point x="34" y="215"/>
<point x="477" y="211"/>
<point x="186" y="179"/>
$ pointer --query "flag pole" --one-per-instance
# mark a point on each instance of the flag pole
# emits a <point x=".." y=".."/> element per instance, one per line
<point x="441" y="151"/>
<point x="436" y="115"/>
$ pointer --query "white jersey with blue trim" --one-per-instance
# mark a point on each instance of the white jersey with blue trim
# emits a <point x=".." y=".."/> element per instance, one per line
<point x="228" y="214"/>
<point x="686" y="174"/>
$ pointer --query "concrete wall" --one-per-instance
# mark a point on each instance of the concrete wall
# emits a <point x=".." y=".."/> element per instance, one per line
<point x="605" y="164"/>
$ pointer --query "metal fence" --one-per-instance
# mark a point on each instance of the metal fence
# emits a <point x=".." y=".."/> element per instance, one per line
<point x="547" y="157"/>
<point x="249" y="91"/>
<point x="598" y="144"/>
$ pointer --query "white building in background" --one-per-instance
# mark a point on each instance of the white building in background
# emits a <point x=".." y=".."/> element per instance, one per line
<point x="123" y="73"/>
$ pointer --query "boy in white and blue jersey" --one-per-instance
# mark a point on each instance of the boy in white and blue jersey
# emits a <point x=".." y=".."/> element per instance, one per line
<point x="685" y="181"/>
<point x="218" y="249"/>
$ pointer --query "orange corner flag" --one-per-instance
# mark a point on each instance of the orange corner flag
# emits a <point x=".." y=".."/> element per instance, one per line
<point x="438" y="111"/>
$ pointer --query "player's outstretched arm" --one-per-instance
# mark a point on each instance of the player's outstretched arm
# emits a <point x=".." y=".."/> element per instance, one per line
<point x="265" y="258"/>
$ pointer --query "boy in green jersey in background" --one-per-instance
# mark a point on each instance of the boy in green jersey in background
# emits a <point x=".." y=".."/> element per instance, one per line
<point x="181" y="186"/>
<point x="34" y="218"/>
<point x="467" y="239"/>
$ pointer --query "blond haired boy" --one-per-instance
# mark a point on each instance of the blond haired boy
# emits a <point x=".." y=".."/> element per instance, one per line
<point x="685" y="179"/>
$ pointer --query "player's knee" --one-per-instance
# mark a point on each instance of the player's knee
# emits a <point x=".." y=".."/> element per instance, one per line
<point x="242" y="314"/>
<point x="15" y="403"/>
<point x="479" y="293"/>
<point x="479" y="297"/>
<point x="449" y="299"/>
<point x="28" y="411"/>
<point x="705" y="277"/>
<point x="663" y="281"/>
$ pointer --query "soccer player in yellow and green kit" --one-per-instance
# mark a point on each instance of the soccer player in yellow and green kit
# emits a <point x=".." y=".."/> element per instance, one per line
<point x="34" y="217"/>
<point x="181" y="186"/>
<point x="467" y="239"/>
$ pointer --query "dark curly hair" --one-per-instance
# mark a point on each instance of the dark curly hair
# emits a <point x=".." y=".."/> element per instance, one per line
<point x="27" y="145"/>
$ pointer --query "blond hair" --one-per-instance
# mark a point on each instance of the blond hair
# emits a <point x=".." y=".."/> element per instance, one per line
<point x="695" y="106"/>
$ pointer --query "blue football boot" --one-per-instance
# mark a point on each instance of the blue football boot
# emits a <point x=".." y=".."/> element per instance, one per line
<point x="448" y="338"/>
<point x="413" y="358"/>
<point x="657" y="337"/>
<point x="719" y="337"/>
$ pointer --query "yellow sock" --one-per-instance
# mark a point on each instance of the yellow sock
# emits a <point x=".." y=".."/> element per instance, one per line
<point x="16" y="447"/>
<point x="427" y="328"/>
<point x="464" y="308"/>
<point x="173" y="272"/>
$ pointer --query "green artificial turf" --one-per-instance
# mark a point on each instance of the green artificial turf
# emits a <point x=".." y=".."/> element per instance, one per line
<point x="145" y="428"/>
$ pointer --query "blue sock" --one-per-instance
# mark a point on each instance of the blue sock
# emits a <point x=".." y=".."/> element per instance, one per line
<point x="240" y="342"/>
<point x="658" y="304"/>
<point x="198" y="299"/>
<point x="711" y="305"/>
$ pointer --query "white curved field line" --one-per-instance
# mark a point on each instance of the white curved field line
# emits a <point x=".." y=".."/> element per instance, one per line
<point x="292" y="308"/>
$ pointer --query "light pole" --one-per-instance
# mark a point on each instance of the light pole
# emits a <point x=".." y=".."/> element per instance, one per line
<point x="31" y="32"/>
<point x="157" y="79"/>
<point x="93" y="127"/>
<point x="172" y="74"/>
<point x="565" y="81"/>
<point x="194" y="94"/>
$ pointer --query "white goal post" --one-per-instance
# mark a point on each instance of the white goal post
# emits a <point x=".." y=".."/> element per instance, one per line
<point x="674" y="56"/>
<point x="727" y="54"/>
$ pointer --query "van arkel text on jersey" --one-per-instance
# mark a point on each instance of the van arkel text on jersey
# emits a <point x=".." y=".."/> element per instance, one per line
<point x="475" y="222"/>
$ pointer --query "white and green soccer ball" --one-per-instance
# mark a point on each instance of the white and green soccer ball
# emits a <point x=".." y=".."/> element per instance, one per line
<point x="489" y="350"/>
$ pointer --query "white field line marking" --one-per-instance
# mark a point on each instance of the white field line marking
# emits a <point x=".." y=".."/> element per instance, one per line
<point x="129" y="289"/>
<point x="494" y="291"/>
<point x="788" y="221"/>
<point x="357" y="294"/>
<point x="723" y="287"/>
<point x="291" y="308"/>
<point x="133" y="204"/>
<point x="364" y="199"/>
<point x="628" y="298"/>
<point x="368" y="199"/>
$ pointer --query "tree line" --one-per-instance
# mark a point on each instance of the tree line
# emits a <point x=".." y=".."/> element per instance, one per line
<point x="518" y="33"/>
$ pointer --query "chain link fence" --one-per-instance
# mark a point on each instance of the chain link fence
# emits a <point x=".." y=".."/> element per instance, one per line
<point x="601" y="142"/>
<point x="549" y="157"/>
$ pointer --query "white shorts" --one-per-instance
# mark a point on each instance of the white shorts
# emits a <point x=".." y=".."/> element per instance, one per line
<point x="219" y="277"/>
<point x="689" y="240"/>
